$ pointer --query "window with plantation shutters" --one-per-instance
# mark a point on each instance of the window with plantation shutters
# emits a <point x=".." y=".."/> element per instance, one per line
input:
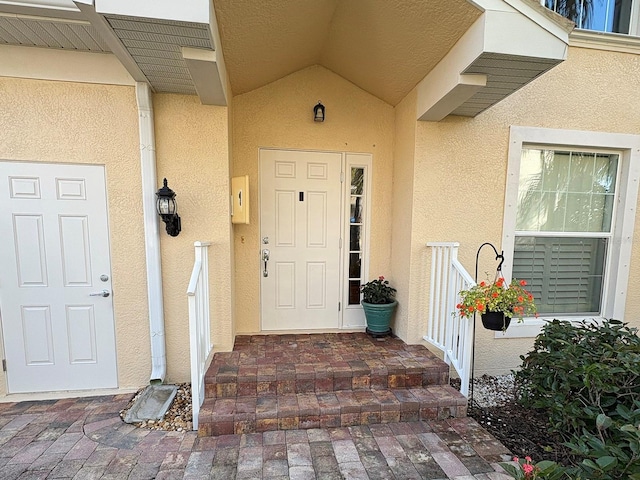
<point x="564" y="221"/>
<point x="571" y="202"/>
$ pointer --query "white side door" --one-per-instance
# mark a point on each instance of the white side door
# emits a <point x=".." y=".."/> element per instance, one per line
<point x="300" y="224"/>
<point x="58" y="328"/>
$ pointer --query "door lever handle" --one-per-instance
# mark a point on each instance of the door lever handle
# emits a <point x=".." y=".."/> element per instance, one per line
<point x="265" y="259"/>
<point x="103" y="293"/>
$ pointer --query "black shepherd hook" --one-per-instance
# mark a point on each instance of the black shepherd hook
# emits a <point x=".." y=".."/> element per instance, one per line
<point x="499" y="256"/>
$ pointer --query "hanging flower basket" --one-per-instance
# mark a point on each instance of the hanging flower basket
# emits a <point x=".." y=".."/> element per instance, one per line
<point x="497" y="303"/>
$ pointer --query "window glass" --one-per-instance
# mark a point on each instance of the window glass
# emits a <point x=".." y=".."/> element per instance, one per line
<point x="566" y="191"/>
<point x="600" y="15"/>
<point x="356" y="228"/>
<point x="563" y="225"/>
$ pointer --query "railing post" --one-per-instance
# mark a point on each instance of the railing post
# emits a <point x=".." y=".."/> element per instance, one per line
<point x="199" y="325"/>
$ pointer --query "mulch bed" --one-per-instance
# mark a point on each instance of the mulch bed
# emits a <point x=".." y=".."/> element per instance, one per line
<point x="522" y="430"/>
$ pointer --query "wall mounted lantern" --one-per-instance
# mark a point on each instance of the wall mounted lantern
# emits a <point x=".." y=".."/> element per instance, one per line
<point x="167" y="209"/>
<point x="318" y="112"/>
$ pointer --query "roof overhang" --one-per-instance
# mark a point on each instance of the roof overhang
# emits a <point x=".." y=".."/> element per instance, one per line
<point x="512" y="43"/>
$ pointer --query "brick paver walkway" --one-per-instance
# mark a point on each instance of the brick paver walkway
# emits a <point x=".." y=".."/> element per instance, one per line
<point x="85" y="439"/>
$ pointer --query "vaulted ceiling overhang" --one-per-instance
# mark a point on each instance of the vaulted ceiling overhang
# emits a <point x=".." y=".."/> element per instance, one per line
<point x="463" y="55"/>
<point x="512" y="43"/>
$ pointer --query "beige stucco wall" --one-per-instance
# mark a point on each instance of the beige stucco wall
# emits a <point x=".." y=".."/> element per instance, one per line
<point x="280" y="115"/>
<point x="403" y="210"/>
<point x="192" y="153"/>
<point x="461" y="163"/>
<point x="93" y="124"/>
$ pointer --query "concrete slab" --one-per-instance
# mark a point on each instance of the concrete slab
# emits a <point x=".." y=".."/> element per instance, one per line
<point x="152" y="403"/>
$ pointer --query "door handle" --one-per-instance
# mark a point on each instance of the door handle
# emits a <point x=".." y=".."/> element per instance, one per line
<point x="265" y="259"/>
<point x="103" y="293"/>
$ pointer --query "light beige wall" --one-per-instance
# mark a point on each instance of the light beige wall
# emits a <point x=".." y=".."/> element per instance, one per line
<point x="461" y="168"/>
<point x="403" y="211"/>
<point x="94" y="124"/>
<point x="192" y="152"/>
<point x="280" y="115"/>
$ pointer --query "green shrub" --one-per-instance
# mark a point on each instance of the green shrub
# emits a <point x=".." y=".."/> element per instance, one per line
<point x="587" y="379"/>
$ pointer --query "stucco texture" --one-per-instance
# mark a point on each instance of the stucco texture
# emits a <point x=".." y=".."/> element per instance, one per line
<point x="279" y="115"/>
<point x="192" y="153"/>
<point x="403" y="206"/>
<point x="460" y="174"/>
<point x="55" y="122"/>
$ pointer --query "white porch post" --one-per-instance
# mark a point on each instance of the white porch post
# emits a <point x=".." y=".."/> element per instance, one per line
<point x="151" y="232"/>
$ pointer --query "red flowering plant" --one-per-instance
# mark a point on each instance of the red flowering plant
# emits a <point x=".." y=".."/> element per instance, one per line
<point x="378" y="291"/>
<point x="525" y="469"/>
<point x="512" y="300"/>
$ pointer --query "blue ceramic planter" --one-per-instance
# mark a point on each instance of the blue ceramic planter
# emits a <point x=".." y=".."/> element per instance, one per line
<point x="379" y="316"/>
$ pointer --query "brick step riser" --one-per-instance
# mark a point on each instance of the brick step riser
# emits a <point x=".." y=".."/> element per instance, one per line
<point x="214" y="424"/>
<point x="225" y="386"/>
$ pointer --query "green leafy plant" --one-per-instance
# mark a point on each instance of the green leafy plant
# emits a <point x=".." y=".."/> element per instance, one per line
<point x="378" y="291"/>
<point x="512" y="300"/>
<point x="586" y="377"/>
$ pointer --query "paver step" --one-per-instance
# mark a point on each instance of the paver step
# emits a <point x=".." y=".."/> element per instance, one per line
<point x="250" y="414"/>
<point x="305" y="365"/>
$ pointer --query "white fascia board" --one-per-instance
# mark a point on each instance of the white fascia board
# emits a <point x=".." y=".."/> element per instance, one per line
<point x="204" y="70"/>
<point x="466" y="87"/>
<point x="46" y="4"/>
<point x="550" y="21"/>
<point x="184" y="11"/>
<point x="214" y="34"/>
<point x="446" y="77"/>
<point x="62" y="65"/>
<point x="514" y="34"/>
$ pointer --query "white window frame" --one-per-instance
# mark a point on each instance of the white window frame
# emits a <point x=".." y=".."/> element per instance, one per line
<point x="634" y="21"/>
<point x="619" y="259"/>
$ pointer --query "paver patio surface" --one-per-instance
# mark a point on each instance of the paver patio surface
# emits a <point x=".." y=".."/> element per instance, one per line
<point x="84" y="438"/>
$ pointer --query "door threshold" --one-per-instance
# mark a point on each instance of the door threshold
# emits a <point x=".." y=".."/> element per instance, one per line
<point x="36" y="396"/>
<point x="304" y="331"/>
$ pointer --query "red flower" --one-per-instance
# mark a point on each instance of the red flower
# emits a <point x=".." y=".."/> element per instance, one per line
<point x="520" y="298"/>
<point x="381" y="278"/>
<point x="523" y="282"/>
<point x="482" y="284"/>
<point x="494" y="294"/>
<point x="500" y="282"/>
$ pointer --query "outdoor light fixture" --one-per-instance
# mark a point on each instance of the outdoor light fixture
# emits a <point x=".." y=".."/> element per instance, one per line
<point x="168" y="210"/>
<point x="318" y="112"/>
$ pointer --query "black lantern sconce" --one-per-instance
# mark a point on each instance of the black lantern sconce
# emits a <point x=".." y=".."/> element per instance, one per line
<point x="318" y="112"/>
<point x="167" y="209"/>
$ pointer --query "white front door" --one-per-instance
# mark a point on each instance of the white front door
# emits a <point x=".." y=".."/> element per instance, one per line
<point x="57" y="327"/>
<point x="300" y="225"/>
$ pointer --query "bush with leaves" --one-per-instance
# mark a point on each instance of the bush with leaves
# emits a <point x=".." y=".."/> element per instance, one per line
<point x="587" y="379"/>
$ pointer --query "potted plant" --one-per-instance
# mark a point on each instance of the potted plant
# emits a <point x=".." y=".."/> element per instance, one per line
<point x="497" y="303"/>
<point x="379" y="304"/>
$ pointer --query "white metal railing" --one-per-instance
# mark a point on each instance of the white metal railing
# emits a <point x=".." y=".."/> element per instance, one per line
<point x="446" y="330"/>
<point x="199" y="326"/>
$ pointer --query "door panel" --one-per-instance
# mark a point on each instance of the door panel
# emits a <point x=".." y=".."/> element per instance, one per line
<point x="300" y="195"/>
<point x="57" y="335"/>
